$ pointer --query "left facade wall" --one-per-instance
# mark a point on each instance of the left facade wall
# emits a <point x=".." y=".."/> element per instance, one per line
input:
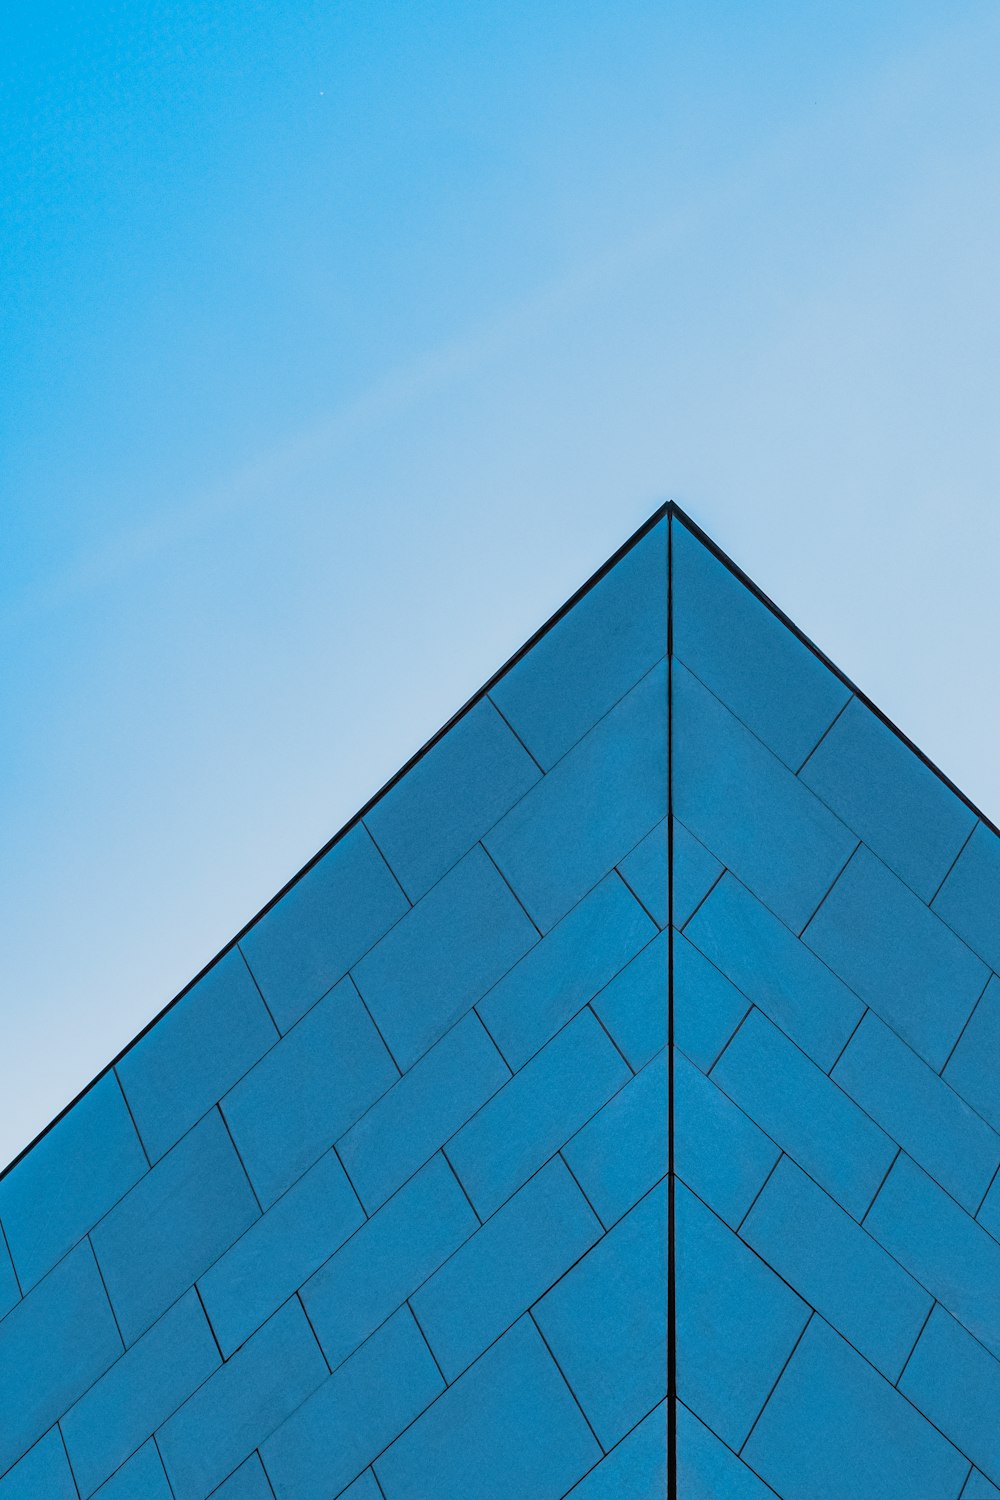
<point x="378" y="1205"/>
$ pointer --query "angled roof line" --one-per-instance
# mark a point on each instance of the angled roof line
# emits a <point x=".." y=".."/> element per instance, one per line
<point x="669" y="508"/>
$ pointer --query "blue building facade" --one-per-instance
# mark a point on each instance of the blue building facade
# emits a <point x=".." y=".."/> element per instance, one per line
<point x="643" y="1030"/>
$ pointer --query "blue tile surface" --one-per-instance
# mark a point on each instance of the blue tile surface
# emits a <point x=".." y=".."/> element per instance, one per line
<point x="834" y="1427"/>
<point x="956" y="1383"/>
<point x="279" y="1252"/>
<point x="695" y="872"/>
<point x="43" y="1474"/>
<point x="248" y="1483"/>
<point x="10" y="1292"/>
<point x="195" y="1053"/>
<point x="556" y="978"/>
<point x="839" y="1269"/>
<point x="433" y="967"/>
<point x="775" y="970"/>
<point x="508" y="1426"/>
<point x="736" y="1323"/>
<point x="242" y="1404"/>
<point x="708" y="1008"/>
<point x="969" y="897"/>
<point x="75" y="1173"/>
<point x="388" y="1259"/>
<point x="322" y="926"/>
<point x="450" y="798"/>
<point x="973" y="1069"/>
<point x="894" y="802"/>
<point x="593" y="656"/>
<point x="978" y="1487"/>
<point x="946" y="1251"/>
<point x="142" y="1478"/>
<point x="141" y="1390"/>
<point x="308" y="1091"/>
<point x="53" y="1345"/>
<point x="536" y="1113"/>
<point x="354" y="1415"/>
<point x="622" y="1152"/>
<point x="170" y="1228"/>
<point x="645" y="871"/>
<point x="637" y="1467"/>
<point x="605" y="1321"/>
<point x="718" y="1150"/>
<point x="707" y="1469"/>
<point x="912" y="1104"/>
<point x="633" y="1006"/>
<point x="893" y="952"/>
<point x="591" y="810"/>
<point x="505" y="1267"/>
<point x="747" y="656"/>
<point x="745" y="806"/>
<point x="418" y="1114"/>
<point x="808" y="1116"/>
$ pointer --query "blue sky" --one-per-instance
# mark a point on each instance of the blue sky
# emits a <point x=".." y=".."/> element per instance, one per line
<point x="340" y="343"/>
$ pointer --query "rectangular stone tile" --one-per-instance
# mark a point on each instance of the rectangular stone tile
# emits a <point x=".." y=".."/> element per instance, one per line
<point x="633" y="1006"/>
<point x="536" y="1113"/>
<point x="637" y="1467"/>
<point x="893" y="952"/>
<point x="747" y="656"/>
<point x="242" y="1404"/>
<point x="142" y="1478"/>
<point x="321" y="926"/>
<point x="556" y="978"/>
<point x="969" y="898"/>
<point x="53" y="1345"/>
<point x="973" y="1069"/>
<point x="747" y="807"/>
<point x="695" y="872"/>
<point x="736" y="1322"/>
<point x="71" y="1177"/>
<point x="808" y="1116"/>
<point x="606" y="1325"/>
<point x="505" y="1267"/>
<point x="875" y="783"/>
<point x="775" y="970"/>
<point x="948" y="1253"/>
<point x="580" y="668"/>
<point x="706" y="1468"/>
<point x="718" y="1150"/>
<point x="443" y="957"/>
<point x="354" y="1415"/>
<point x="591" y="809"/>
<point x="279" y="1252"/>
<point x="417" y="1115"/>
<point x="708" y="1008"/>
<point x="835" y="1427"/>
<point x="508" y="1426"/>
<point x="911" y="1103"/>
<point x="956" y="1384"/>
<point x="179" y="1219"/>
<point x="622" y="1152"/>
<point x="141" y="1390"/>
<point x="195" y="1053"/>
<point x="388" y="1259"/>
<point x="308" y="1091"/>
<point x="43" y="1474"/>
<point x="454" y="793"/>
<point x="645" y="871"/>
<point x="839" y="1269"/>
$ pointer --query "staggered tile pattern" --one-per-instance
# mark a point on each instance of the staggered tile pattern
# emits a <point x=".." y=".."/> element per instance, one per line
<point x="837" y="1068"/>
<point x="378" y="1208"/>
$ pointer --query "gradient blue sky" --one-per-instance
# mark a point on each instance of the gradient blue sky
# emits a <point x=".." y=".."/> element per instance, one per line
<point x="340" y="343"/>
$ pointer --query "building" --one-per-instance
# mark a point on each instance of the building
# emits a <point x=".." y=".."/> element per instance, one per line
<point x="408" y="1196"/>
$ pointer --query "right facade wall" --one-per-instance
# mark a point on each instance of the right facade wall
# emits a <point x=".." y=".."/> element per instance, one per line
<point x="836" y="1079"/>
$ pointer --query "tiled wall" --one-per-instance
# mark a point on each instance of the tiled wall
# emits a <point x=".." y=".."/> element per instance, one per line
<point x="378" y="1208"/>
<point x="837" y="911"/>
